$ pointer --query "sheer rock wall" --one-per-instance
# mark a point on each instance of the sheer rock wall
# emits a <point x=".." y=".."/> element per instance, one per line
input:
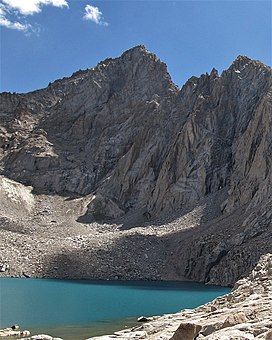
<point x="140" y="149"/>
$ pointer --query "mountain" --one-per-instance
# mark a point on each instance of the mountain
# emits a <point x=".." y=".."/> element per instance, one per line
<point x="139" y="152"/>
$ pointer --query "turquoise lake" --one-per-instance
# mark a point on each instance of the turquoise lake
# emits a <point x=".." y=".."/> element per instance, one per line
<point x="76" y="310"/>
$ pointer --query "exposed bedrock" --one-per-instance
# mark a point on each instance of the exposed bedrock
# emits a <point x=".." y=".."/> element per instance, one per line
<point x="142" y="151"/>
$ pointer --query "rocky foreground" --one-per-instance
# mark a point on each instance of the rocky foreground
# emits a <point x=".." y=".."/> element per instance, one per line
<point x="243" y="314"/>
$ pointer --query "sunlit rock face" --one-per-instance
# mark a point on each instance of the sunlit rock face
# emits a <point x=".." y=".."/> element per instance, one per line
<point x="123" y="135"/>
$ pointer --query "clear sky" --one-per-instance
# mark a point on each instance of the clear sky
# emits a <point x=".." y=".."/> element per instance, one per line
<point x="43" y="40"/>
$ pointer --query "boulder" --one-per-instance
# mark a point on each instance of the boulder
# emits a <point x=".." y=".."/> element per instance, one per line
<point x="186" y="331"/>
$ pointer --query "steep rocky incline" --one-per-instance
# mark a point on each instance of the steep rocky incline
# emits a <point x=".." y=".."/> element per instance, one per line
<point x="142" y="152"/>
<point x="94" y="121"/>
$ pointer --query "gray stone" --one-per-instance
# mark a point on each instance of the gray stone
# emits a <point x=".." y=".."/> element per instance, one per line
<point x="140" y="151"/>
<point x="186" y="331"/>
<point x="143" y="319"/>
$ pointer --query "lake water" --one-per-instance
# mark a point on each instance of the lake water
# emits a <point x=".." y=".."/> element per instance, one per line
<point x="76" y="310"/>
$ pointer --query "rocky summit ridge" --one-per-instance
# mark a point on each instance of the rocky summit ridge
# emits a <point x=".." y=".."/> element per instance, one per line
<point x="119" y="155"/>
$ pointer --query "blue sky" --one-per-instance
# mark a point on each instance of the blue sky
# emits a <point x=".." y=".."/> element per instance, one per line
<point x="43" y="40"/>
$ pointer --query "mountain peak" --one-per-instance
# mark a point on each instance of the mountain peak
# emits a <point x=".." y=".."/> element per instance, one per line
<point x="133" y="54"/>
<point x="240" y="62"/>
<point x="139" y="51"/>
<point x="243" y="62"/>
<point x="139" y="152"/>
<point x="242" y="58"/>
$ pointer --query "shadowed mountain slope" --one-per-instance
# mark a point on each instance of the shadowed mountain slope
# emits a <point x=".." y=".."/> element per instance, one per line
<point x="138" y="149"/>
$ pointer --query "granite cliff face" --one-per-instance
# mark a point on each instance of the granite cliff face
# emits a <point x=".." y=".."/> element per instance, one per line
<point x="139" y="150"/>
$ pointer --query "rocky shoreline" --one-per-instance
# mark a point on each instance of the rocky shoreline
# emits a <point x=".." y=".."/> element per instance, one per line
<point x="245" y="313"/>
<point x="12" y="333"/>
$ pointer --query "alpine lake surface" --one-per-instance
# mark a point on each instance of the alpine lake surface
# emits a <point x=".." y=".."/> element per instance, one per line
<point x="77" y="310"/>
